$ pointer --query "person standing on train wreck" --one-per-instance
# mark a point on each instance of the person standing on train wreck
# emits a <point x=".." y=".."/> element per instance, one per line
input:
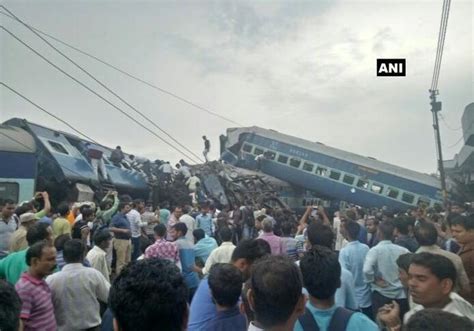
<point x="117" y="156"/>
<point x="95" y="157"/>
<point x="207" y="147"/>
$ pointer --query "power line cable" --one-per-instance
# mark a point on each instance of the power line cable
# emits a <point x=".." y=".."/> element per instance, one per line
<point x="446" y="124"/>
<point x="162" y="90"/>
<point x="103" y="85"/>
<point x="457" y="142"/>
<point x="95" y="93"/>
<point x="47" y="112"/>
<point x="441" y="40"/>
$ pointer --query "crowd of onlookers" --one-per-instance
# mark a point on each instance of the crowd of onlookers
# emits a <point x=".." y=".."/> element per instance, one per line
<point x="121" y="264"/>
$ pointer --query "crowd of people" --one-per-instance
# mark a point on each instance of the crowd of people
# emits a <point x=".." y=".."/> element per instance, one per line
<point x="123" y="265"/>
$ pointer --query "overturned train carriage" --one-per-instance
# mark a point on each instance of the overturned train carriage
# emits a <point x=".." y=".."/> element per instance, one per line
<point x="329" y="172"/>
<point x="36" y="158"/>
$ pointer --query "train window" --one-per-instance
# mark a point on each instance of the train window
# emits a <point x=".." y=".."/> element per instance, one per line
<point x="377" y="188"/>
<point x="9" y="190"/>
<point x="257" y="151"/>
<point x="308" y="167"/>
<point x="282" y="159"/>
<point x="363" y="184"/>
<point x="58" y="147"/>
<point x="423" y="202"/>
<point x="270" y="155"/>
<point x="295" y="163"/>
<point x="348" y="179"/>
<point x="408" y="198"/>
<point x="247" y="148"/>
<point x="393" y="193"/>
<point x="321" y="171"/>
<point x="334" y="175"/>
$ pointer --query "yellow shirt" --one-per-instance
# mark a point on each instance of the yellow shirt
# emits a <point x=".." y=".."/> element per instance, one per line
<point x="61" y="226"/>
<point x="18" y="240"/>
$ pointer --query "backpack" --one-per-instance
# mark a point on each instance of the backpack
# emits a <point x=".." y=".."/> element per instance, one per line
<point x="339" y="320"/>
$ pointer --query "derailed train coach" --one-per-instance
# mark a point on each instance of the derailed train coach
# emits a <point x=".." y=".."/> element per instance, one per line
<point x="37" y="158"/>
<point x="329" y="172"/>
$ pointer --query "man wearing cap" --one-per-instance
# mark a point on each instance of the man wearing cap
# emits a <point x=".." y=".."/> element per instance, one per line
<point x="18" y="239"/>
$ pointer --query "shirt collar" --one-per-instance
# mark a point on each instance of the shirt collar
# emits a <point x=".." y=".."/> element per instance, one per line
<point x="71" y="266"/>
<point x="32" y="279"/>
<point x="227" y="243"/>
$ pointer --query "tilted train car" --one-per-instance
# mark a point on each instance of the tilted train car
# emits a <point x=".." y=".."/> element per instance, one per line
<point x="332" y="173"/>
<point x="60" y="164"/>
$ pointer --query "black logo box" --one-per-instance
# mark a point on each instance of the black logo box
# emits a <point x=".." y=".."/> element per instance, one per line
<point x="391" y="67"/>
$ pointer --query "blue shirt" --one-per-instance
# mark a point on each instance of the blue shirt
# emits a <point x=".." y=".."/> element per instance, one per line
<point x="121" y="221"/>
<point x="357" y="322"/>
<point x="204" y="222"/>
<point x="187" y="257"/>
<point x="227" y="320"/>
<point x="362" y="235"/>
<point x="381" y="263"/>
<point x="352" y="257"/>
<point x="345" y="295"/>
<point x="204" y="247"/>
<point x="202" y="309"/>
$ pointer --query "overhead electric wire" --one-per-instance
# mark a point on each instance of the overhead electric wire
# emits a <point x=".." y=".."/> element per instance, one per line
<point x="96" y="93"/>
<point x="441" y="40"/>
<point x="47" y="112"/>
<point x="103" y="85"/>
<point x="457" y="142"/>
<point x="446" y="124"/>
<point x="104" y="62"/>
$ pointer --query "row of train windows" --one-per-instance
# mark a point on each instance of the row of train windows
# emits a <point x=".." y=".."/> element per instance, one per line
<point x="336" y="175"/>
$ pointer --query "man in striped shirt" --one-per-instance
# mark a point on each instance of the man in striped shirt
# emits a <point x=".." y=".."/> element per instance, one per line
<point x="37" y="312"/>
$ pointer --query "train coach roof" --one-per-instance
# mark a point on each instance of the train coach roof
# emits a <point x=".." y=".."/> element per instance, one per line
<point x="14" y="139"/>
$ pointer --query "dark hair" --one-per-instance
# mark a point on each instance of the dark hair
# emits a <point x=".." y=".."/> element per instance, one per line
<point x="464" y="221"/>
<point x="286" y="228"/>
<point x="198" y="234"/>
<point x="225" y="282"/>
<point x="320" y="234"/>
<point x="426" y="234"/>
<point x="10" y="307"/>
<point x="350" y="214"/>
<point x="404" y="260"/>
<point x="225" y="234"/>
<point x="251" y="250"/>
<point x="101" y="236"/>
<point x="4" y="202"/>
<point x="438" y="320"/>
<point x="36" y="250"/>
<point x="74" y="251"/>
<point x="61" y="240"/>
<point x="37" y="232"/>
<point x="149" y="293"/>
<point x="386" y="229"/>
<point x="352" y="229"/>
<point x="87" y="212"/>
<point x="401" y="224"/>
<point x="122" y="205"/>
<point x="321" y="272"/>
<point x="23" y="209"/>
<point x="63" y="209"/>
<point x="160" y="230"/>
<point x="144" y="244"/>
<point x="84" y="207"/>
<point x="276" y="283"/>
<point x="104" y="205"/>
<point x="137" y="202"/>
<point x="439" y="265"/>
<point x="180" y="227"/>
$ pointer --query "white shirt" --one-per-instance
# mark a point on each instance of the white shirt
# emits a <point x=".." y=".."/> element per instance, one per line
<point x="190" y="224"/>
<point x="97" y="257"/>
<point x="191" y="182"/>
<point x="457" y="306"/>
<point x="75" y="291"/>
<point x="136" y="223"/>
<point x="185" y="171"/>
<point x="166" y="168"/>
<point x="221" y="254"/>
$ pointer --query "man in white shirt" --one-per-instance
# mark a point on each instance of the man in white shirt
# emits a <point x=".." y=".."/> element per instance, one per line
<point x="191" y="183"/>
<point x="223" y="253"/>
<point x="136" y="224"/>
<point x="97" y="256"/>
<point x="190" y="224"/>
<point x="77" y="291"/>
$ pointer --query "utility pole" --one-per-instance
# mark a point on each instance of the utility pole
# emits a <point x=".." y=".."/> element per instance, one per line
<point x="435" y="108"/>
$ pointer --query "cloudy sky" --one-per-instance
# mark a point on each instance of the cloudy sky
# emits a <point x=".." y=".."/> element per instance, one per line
<point x="305" y="68"/>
